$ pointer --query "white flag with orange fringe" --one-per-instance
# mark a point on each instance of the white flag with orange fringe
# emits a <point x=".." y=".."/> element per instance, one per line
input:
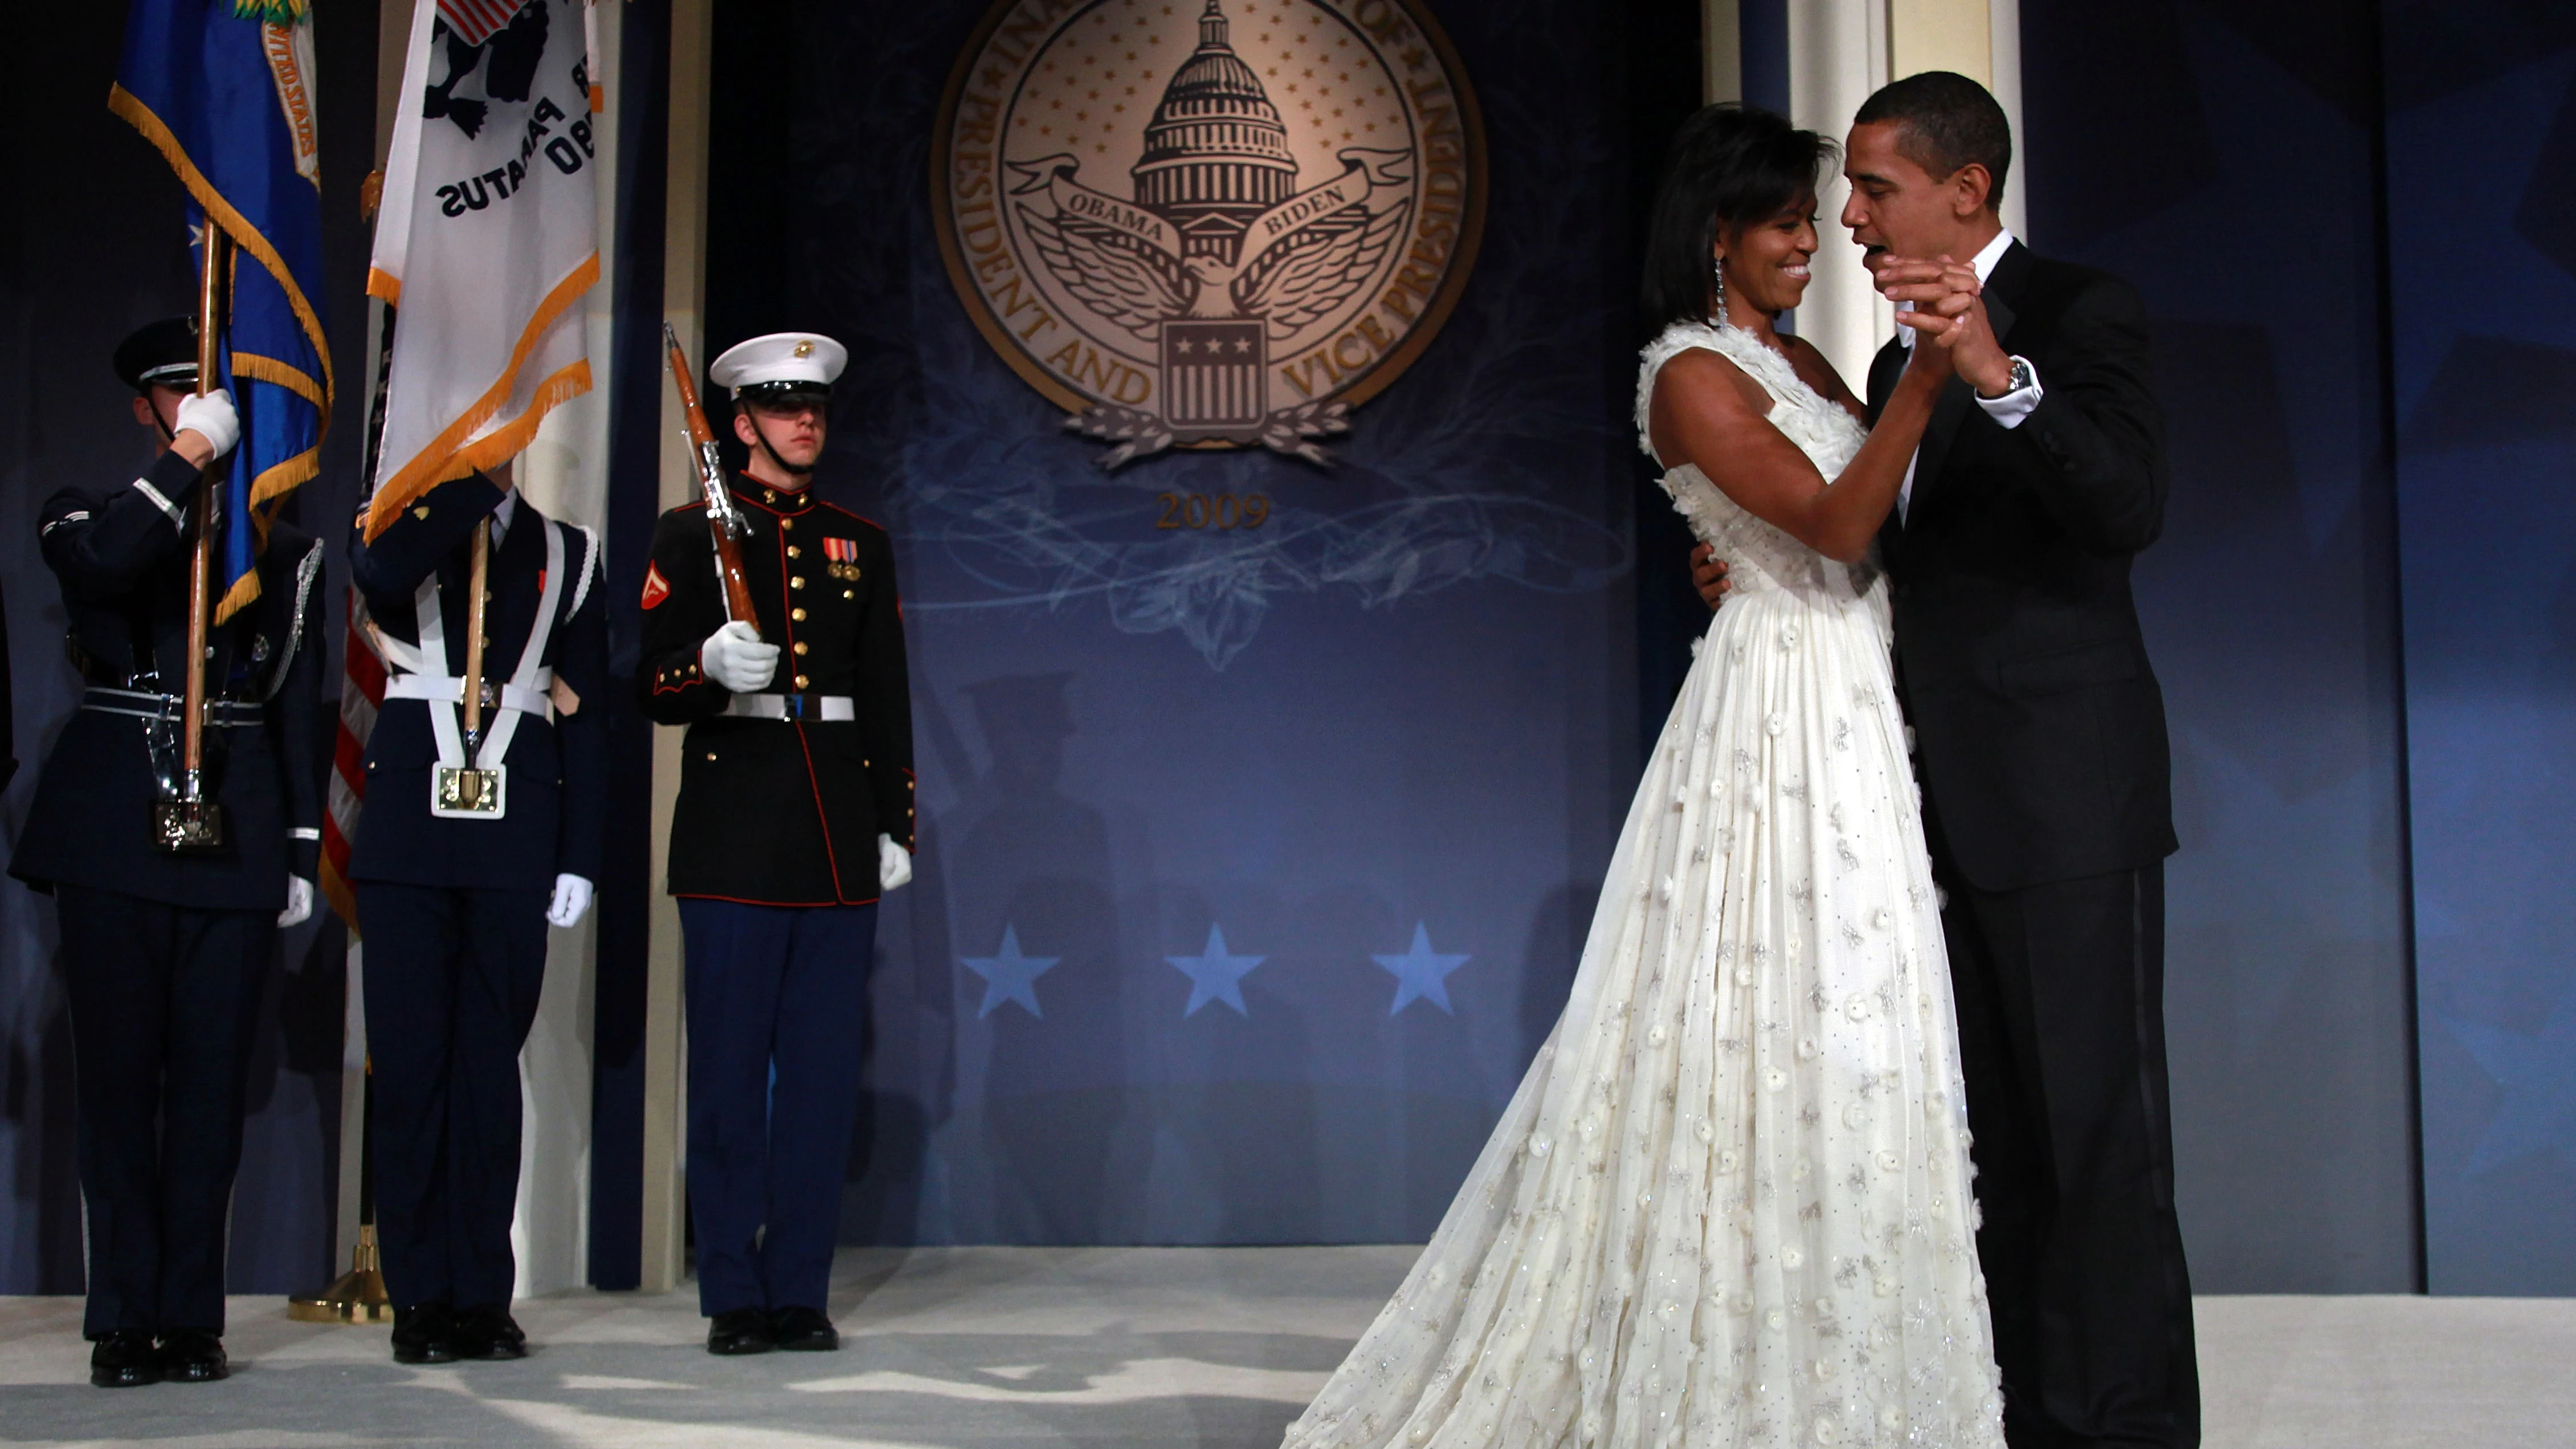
<point x="486" y="237"/>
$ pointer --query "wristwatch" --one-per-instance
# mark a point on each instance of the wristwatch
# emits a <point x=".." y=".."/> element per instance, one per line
<point x="2023" y="377"/>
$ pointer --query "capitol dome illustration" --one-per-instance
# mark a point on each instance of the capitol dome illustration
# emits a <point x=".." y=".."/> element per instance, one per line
<point x="1216" y="154"/>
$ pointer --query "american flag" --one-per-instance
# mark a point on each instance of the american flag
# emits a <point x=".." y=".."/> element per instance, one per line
<point x="362" y="693"/>
<point x="474" y="21"/>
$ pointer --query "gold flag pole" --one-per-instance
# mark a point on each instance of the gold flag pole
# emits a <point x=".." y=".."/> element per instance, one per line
<point x="357" y="1296"/>
<point x="192" y="823"/>
<point x="478" y="588"/>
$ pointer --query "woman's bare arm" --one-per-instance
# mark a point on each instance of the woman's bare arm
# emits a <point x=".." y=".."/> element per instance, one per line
<point x="1708" y="413"/>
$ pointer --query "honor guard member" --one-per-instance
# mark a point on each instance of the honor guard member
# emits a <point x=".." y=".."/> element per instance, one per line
<point x="165" y="954"/>
<point x="795" y="813"/>
<point x="486" y="781"/>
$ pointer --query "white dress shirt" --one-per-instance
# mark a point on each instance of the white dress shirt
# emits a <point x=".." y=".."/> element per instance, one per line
<point x="2009" y="409"/>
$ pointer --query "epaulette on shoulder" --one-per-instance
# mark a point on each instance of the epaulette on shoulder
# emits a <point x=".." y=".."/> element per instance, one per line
<point x="854" y="516"/>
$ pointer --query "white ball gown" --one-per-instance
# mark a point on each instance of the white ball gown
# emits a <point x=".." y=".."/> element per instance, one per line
<point x="1729" y="1204"/>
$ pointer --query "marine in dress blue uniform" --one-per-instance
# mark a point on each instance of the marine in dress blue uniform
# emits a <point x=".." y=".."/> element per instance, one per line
<point x="795" y="813"/>
<point x="164" y="956"/>
<point x="454" y="901"/>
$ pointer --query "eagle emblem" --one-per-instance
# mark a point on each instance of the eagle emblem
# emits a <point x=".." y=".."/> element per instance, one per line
<point x="1130" y="207"/>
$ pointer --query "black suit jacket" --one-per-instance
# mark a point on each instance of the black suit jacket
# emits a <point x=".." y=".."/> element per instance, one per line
<point x="558" y="790"/>
<point x="2039" y="726"/>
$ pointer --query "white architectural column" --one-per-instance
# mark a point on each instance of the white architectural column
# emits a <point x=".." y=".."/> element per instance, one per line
<point x="1839" y="52"/>
<point x="684" y="275"/>
<point x="565" y="474"/>
<point x="1721" y="31"/>
<point x="2003" y="27"/>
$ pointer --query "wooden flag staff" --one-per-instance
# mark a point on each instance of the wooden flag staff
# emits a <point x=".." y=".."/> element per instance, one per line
<point x="193" y="824"/>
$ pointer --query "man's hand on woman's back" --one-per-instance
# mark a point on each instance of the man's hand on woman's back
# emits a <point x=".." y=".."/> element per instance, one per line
<point x="1708" y="575"/>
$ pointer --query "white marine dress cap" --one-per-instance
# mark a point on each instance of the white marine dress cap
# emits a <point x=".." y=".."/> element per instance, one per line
<point x="781" y="364"/>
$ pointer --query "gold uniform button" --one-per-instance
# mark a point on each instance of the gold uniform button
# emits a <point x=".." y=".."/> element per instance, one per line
<point x="800" y="646"/>
<point x="711" y="757"/>
<point x="797" y="614"/>
<point x="849" y="593"/>
<point x="787" y="523"/>
<point x="802" y="681"/>
<point x="797" y="582"/>
<point x="794" y="552"/>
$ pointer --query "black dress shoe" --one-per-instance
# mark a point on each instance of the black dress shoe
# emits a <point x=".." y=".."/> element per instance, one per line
<point x="803" y="1330"/>
<point x="488" y="1331"/>
<point x="125" y="1359"/>
<point x="425" y="1333"/>
<point x="193" y="1356"/>
<point x="739" y="1331"/>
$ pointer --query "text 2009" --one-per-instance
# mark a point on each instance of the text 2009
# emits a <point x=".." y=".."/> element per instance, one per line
<point x="1213" y="510"/>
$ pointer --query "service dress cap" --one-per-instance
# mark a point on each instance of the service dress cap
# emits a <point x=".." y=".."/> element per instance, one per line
<point x="163" y="352"/>
<point x="781" y="365"/>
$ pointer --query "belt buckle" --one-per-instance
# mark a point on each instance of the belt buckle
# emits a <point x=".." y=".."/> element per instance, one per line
<point x="461" y="792"/>
<point x="188" y="827"/>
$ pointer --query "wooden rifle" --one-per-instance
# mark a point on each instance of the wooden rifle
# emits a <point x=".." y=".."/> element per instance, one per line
<point x="724" y="520"/>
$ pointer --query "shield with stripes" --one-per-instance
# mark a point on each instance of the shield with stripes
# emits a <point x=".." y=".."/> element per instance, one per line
<point x="1212" y="376"/>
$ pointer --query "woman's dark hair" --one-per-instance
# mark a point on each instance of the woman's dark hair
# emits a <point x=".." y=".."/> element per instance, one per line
<point x="1730" y="167"/>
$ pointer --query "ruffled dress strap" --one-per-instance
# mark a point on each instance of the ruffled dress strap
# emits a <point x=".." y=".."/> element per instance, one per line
<point x="1734" y="344"/>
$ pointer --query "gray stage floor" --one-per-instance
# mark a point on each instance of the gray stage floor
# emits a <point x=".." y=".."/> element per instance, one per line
<point x="997" y="1348"/>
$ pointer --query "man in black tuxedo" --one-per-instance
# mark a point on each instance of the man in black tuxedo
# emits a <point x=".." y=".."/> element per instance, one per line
<point x="2040" y="745"/>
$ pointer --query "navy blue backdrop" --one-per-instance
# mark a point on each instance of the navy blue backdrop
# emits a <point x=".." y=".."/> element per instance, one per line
<point x="2351" y="226"/>
<point x="2482" y="238"/>
<point x="2223" y="157"/>
<point x="1401" y="712"/>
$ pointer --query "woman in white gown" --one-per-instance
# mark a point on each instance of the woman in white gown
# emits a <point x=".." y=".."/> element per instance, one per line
<point x="1729" y="1204"/>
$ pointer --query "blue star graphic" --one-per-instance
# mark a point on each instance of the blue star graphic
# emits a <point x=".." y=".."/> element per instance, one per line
<point x="1215" y="975"/>
<point x="1010" y="976"/>
<point x="1421" y="974"/>
<point x="2538" y="1074"/>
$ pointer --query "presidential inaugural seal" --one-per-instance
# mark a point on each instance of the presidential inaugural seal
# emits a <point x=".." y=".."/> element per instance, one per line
<point x="1208" y="223"/>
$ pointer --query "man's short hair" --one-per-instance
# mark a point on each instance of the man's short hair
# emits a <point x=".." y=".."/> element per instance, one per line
<point x="1949" y="122"/>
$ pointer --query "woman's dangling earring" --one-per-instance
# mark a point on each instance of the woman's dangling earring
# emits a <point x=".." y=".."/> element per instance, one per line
<point x="1717" y="289"/>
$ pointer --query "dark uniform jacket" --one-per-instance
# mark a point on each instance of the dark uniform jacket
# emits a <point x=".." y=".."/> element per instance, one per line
<point x="2039" y="727"/>
<point x="557" y="790"/>
<point x="122" y="559"/>
<point x="773" y="812"/>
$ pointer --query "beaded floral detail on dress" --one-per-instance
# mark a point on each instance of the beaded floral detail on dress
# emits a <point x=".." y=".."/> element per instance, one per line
<point x="1728" y="1207"/>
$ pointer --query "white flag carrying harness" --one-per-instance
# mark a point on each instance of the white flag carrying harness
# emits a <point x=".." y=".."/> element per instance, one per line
<point x="424" y="674"/>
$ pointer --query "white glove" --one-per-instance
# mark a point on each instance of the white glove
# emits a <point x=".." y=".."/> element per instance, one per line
<point x="734" y="657"/>
<point x="299" y="891"/>
<point x="212" y="418"/>
<point x="572" y="900"/>
<point x="894" y="864"/>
